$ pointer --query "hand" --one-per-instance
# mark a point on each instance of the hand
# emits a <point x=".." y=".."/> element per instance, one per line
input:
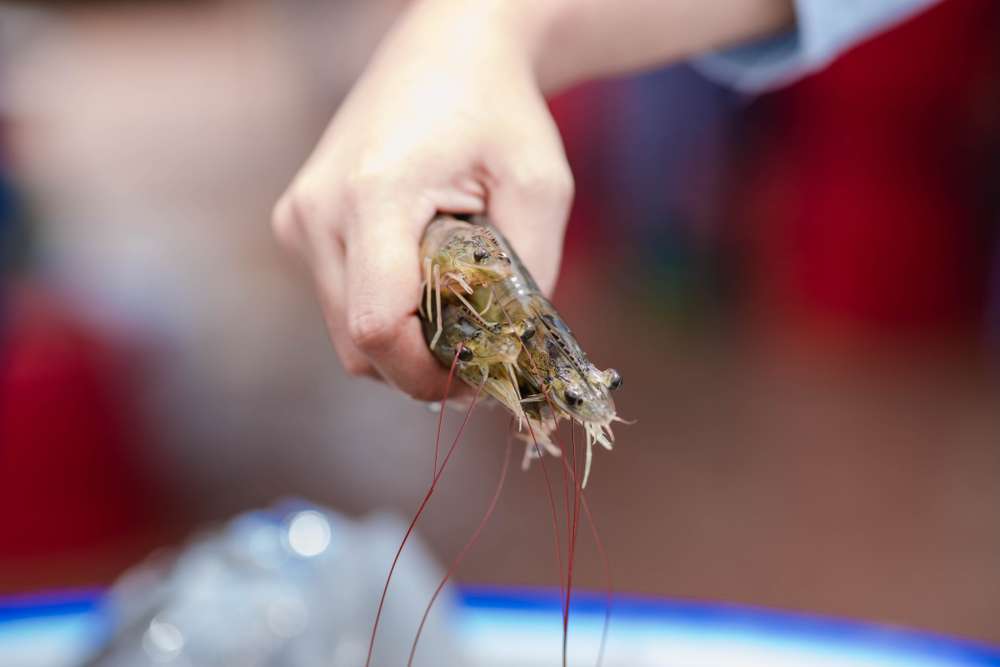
<point x="447" y="117"/>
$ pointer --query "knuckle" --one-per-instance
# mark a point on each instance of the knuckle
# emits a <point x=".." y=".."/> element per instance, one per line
<point x="356" y="367"/>
<point x="548" y="182"/>
<point x="371" y="330"/>
<point x="291" y="214"/>
<point x="562" y="184"/>
<point x="283" y="224"/>
<point x="362" y="181"/>
<point x="365" y="185"/>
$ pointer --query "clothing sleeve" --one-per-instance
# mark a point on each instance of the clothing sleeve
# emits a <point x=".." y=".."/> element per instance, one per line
<point x="824" y="29"/>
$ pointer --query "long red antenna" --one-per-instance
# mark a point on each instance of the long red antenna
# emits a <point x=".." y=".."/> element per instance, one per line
<point x="605" y="566"/>
<point x="564" y="590"/>
<point x="609" y="584"/>
<point x="571" y="555"/>
<point x="447" y="388"/>
<point x="552" y="506"/>
<point x="420" y="510"/>
<point x="564" y="585"/>
<point x="465" y="549"/>
<point x="578" y="487"/>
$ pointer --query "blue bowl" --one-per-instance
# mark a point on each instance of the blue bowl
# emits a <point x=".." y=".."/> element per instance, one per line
<point x="503" y="626"/>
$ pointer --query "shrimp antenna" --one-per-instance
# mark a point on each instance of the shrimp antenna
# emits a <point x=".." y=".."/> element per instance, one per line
<point x="605" y="566"/>
<point x="571" y="555"/>
<point x="468" y="545"/>
<point x="571" y="527"/>
<point x="447" y="389"/>
<point x="552" y="506"/>
<point x="420" y="510"/>
<point x="564" y="589"/>
<point x="608" y="582"/>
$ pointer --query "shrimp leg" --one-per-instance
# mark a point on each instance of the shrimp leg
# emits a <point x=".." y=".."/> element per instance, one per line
<point x="427" y="285"/>
<point x="440" y="320"/>
<point x="472" y="309"/>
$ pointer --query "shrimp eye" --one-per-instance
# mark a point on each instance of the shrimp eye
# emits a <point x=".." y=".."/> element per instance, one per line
<point x="480" y="255"/>
<point x="465" y="354"/>
<point x="614" y="379"/>
<point x="528" y="333"/>
<point x="573" y="398"/>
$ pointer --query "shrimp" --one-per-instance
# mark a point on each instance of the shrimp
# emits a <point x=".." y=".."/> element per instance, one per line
<point x="554" y="367"/>
<point x="576" y="387"/>
<point x="484" y="354"/>
<point x="471" y="263"/>
<point x="490" y="354"/>
<point x="457" y="258"/>
<point x="485" y="318"/>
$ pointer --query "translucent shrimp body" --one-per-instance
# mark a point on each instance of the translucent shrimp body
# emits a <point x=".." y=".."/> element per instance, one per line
<point x="479" y="295"/>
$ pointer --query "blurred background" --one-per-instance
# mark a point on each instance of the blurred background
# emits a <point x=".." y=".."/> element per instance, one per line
<point x="801" y="290"/>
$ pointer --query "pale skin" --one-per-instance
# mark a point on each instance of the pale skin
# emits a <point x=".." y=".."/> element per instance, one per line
<point x="450" y="115"/>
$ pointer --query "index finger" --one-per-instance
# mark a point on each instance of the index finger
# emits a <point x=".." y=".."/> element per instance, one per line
<point x="383" y="291"/>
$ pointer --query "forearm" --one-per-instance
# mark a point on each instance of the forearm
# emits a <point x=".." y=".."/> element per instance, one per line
<point x="568" y="41"/>
<point x="596" y="38"/>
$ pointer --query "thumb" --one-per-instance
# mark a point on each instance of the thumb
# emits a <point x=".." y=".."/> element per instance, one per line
<point x="529" y="202"/>
<point x="530" y="196"/>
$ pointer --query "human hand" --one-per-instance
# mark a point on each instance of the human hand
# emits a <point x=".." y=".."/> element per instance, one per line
<point x="447" y="117"/>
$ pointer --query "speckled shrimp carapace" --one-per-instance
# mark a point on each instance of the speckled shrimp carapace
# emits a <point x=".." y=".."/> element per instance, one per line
<point x="470" y="262"/>
<point x="485" y="354"/>
<point x="457" y="258"/>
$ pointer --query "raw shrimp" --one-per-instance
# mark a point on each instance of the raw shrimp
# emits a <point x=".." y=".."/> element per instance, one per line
<point x="457" y="258"/>
<point x="485" y="318"/>
<point x="553" y="365"/>
<point x="469" y="261"/>
<point x="487" y="354"/>
<point x="578" y="390"/>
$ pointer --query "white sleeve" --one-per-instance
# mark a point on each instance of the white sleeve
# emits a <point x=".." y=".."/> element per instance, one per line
<point x="824" y="29"/>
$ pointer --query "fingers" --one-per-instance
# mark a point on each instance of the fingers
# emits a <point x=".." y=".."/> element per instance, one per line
<point x="364" y="257"/>
<point x="365" y="266"/>
<point x="360" y="229"/>
<point x="330" y="285"/>
<point x="295" y="225"/>
<point x="530" y="196"/>
<point x="531" y="207"/>
<point x="383" y="290"/>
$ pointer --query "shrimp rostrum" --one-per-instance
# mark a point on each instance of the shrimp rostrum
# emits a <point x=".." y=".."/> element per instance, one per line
<point x="480" y="303"/>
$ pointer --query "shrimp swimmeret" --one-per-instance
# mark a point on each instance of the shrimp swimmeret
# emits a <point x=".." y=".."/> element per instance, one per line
<point x="485" y="319"/>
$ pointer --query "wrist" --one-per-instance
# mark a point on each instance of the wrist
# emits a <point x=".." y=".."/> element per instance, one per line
<point x="523" y="30"/>
<point x="563" y="42"/>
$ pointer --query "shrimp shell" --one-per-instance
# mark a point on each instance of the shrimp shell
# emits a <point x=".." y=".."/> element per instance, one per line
<point x="478" y="294"/>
